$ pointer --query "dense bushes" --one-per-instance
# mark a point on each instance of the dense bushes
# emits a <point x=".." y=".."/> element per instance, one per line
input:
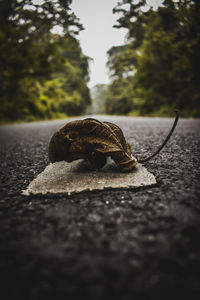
<point x="158" y="69"/>
<point x="43" y="73"/>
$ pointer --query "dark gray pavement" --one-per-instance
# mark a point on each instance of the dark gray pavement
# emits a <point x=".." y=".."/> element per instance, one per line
<point x="112" y="244"/>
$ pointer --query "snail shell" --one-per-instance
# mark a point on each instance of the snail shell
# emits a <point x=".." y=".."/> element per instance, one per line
<point x="93" y="141"/>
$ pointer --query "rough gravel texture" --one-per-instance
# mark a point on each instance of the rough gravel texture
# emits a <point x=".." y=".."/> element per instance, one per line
<point x="113" y="244"/>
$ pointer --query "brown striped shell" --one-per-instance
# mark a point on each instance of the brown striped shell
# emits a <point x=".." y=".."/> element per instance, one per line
<point x="93" y="141"/>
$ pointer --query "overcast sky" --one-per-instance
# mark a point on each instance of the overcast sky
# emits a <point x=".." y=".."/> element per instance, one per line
<point x="99" y="35"/>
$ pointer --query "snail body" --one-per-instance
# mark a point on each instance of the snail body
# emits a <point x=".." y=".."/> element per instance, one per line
<point x="94" y="141"/>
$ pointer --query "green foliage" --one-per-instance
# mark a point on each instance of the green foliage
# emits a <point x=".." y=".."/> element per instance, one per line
<point x="117" y="99"/>
<point x="99" y="94"/>
<point x="158" y="70"/>
<point x="43" y="74"/>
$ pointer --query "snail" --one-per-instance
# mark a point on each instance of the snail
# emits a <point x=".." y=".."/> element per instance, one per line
<point x="94" y="141"/>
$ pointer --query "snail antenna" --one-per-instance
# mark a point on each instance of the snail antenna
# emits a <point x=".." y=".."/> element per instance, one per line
<point x="165" y="141"/>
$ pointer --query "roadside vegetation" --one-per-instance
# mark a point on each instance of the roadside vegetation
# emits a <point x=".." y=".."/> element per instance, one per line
<point x="43" y="72"/>
<point x="158" y="69"/>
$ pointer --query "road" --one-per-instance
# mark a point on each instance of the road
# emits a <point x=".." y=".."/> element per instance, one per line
<point x="111" y="244"/>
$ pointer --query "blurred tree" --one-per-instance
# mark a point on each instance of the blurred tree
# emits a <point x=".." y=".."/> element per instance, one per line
<point x="118" y="98"/>
<point x="160" y="63"/>
<point x="38" y="49"/>
<point x="122" y="61"/>
<point x="98" y="94"/>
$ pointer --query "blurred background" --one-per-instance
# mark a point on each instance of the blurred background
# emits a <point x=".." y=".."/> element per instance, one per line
<point x="47" y="71"/>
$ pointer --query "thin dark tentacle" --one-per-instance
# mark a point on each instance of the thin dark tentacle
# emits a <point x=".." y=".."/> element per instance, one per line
<point x="164" y="143"/>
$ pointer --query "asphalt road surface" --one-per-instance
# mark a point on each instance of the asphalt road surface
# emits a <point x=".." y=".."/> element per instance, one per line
<point x="111" y="244"/>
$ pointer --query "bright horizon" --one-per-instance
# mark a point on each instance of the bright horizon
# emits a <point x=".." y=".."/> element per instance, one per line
<point x="99" y="35"/>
